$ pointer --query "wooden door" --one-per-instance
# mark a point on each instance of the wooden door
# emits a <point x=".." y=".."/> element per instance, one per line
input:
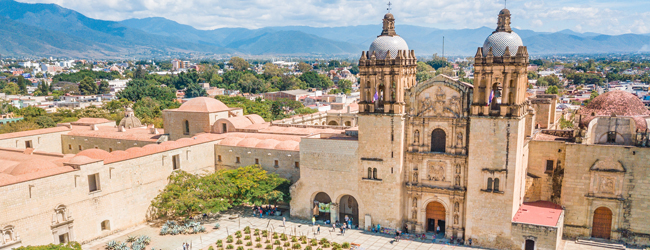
<point x="435" y="211"/>
<point x="602" y="225"/>
<point x="530" y="245"/>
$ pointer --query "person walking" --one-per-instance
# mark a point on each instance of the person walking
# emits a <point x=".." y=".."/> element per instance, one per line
<point x="438" y="229"/>
<point x="343" y="230"/>
<point x="397" y="234"/>
<point x="334" y="227"/>
<point x="313" y="220"/>
<point x="318" y="230"/>
<point x="284" y="222"/>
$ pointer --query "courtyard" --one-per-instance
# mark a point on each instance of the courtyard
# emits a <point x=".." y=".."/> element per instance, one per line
<point x="237" y="220"/>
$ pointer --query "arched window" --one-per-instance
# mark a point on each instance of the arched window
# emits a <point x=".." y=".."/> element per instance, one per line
<point x="374" y="173"/>
<point x="348" y="124"/>
<point x="489" y="187"/>
<point x="106" y="225"/>
<point x="496" y="184"/>
<point x="186" y="127"/>
<point x="438" y="139"/>
<point x="369" y="173"/>
<point x="416" y="137"/>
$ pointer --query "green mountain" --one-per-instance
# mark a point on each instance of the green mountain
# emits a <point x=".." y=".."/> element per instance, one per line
<point x="50" y="30"/>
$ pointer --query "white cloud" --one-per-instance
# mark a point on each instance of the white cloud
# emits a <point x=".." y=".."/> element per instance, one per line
<point x="544" y="15"/>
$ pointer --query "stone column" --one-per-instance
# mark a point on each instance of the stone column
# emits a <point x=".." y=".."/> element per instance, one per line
<point x="334" y="213"/>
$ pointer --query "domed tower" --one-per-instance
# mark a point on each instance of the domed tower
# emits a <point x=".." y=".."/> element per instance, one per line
<point x="500" y="72"/>
<point x="496" y="167"/>
<point x="385" y="71"/>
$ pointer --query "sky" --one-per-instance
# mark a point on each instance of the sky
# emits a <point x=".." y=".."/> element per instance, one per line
<point x="612" y="17"/>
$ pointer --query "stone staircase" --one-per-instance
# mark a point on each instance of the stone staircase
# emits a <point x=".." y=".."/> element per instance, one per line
<point x="600" y="243"/>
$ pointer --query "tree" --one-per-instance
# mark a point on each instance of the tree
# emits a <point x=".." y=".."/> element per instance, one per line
<point x="239" y="63"/>
<point x="252" y="185"/>
<point x="195" y="90"/>
<point x="311" y="79"/>
<point x="11" y="89"/>
<point x="271" y="70"/>
<point x="550" y="80"/>
<point x="87" y="86"/>
<point x="304" y="67"/>
<point x="18" y="127"/>
<point x="31" y="112"/>
<point x="43" y="89"/>
<point x="140" y="73"/>
<point x="73" y="245"/>
<point x="424" y="72"/>
<point x="22" y="85"/>
<point x="334" y="64"/>
<point x="552" y="90"/>
<point x="117" y="105"/>
<point x="103" y="87"/>
<point x="593" y="95"/>
<point x="345" y="86"/>
<point x="45" y="122"/>
<point x="438" y="62"/>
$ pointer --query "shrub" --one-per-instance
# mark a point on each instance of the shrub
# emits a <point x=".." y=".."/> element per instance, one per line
<point x="323" y="240"/>
<point x="275" y="235"/>
<point x="240" y="248"/>
<point x="283" y="237"/>
<point x="268" y="247"/>
<point x="229" y="239"/>
<point x="326" y="244"/>
<point x="287" y="244"/>
<point x="345" y="245"/>
<point x="239" y="242"/>
<point x="219" y="244"/>
<point x="297" y="246"/>
<point x="277" y="242"/>
<point x="303" y="238"/>
<point x="294" y="239"/>
<point x="314" y="242"/>
<point x="248" y="244"/>
<point x="219" y="241"/>
<point x="334" y="244"/>
<point x="230" y="246"/>
<point x="247" y="237"/>
<point x="238" y="236"/>
<point x="278" y="248"/>
<point x="308" y="248"/>
<point x="304" y="242"/>
<point x="258" y="245"/>
<point x="267" y="241"/>
<point x="210" y="248"/>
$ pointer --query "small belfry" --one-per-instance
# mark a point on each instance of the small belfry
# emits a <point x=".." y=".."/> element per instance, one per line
<point x="500" y="73"/>
<point x="386" y="70"/>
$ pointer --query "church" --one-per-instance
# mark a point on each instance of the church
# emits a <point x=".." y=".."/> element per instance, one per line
<point x="482" y="162"/>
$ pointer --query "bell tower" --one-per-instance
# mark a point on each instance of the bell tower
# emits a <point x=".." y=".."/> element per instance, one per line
<point x="386" y="71"/>
<point x="500" y="73"/>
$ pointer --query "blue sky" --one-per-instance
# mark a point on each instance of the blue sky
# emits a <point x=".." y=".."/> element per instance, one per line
<point x="600" y="16"/>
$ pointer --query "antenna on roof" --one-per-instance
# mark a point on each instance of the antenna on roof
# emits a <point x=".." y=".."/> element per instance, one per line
<point x="506" y="4"/>
<point x="389" y="8"/>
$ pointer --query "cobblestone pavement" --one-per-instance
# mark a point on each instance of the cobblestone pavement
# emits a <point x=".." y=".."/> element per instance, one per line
<point x="230" y="223"/>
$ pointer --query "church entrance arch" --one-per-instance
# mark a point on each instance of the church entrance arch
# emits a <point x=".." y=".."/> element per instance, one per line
<point x="333" y="123"/>
<point x="436" y="215"/>
<point x="348" y="206"/>
<point x="438" y="140"/>
<point x="321" y="206"/>
<point x="602" y="224"/>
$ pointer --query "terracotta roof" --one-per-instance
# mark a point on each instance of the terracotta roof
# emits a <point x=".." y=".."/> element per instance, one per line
<point x="34" y="132"/>
<point x="203" y="104"/>
<point x="135" y="152"/>
<point x="86" y="121"/>
<point x="619" y="103"/>
<point x="264" y="141"/>
<point x="18" y="165"/>
<point x="136" y="134"/>
<point x="544" y="213"/>
<point x="299" y="131"/>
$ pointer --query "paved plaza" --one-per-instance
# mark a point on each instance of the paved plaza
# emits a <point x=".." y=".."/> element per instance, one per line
<point x="231" y="222"/>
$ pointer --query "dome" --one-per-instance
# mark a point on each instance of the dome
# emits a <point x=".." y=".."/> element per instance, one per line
<point x="80" y="160"/>
<point x="130" y="122"/>
<point x="504" y="12"/>
<point x="382" y="44"/>
<point x="617" y="102"/>
<point x="203" y="104"/>
<point x="32" y="166"/>
<point x="95" y="153"/>
<point x="498" y="41"/>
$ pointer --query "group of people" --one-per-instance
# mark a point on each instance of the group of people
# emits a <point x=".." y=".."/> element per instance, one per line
<point x="187" y="246"/>
<point x="264" y="210"/>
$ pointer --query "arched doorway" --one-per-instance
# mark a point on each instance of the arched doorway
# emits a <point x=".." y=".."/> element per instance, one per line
<point x="436" y="215"/>
<point x="602" y="224"/>
<point x="348" y="206"/>
<point x="438" y="139"/>
<point x="530" y="245"/>
<point x="333" y="123"/>
<point x="321" y="206"/>
<point x="348" y="124"/>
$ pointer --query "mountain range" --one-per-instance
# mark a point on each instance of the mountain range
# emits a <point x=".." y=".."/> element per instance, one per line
<point x="51" y="30"/>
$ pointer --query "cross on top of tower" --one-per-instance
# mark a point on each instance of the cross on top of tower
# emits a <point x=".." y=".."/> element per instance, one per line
<point x="389" y="7"/>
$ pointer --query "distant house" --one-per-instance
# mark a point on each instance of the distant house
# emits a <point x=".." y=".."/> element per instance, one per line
<point x="288" y="94"/>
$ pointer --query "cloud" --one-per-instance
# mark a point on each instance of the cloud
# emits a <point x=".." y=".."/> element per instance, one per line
<point x="542" y="15"/>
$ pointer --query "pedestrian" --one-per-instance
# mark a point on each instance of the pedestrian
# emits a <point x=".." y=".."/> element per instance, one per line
<point x="261" y="212"/>
<point x="342" y="230"/>
<point x="334" y="227"/>
<point x="313" y="220"/>
<point x="438" y="229"/>
<point x="284" y="221"/>
<point x="184" y="248"/>
<point x="470" y="241"/>
<point x="318" y="230"/>
<point x="397" y="233"/>
<point x="406" y="229"/>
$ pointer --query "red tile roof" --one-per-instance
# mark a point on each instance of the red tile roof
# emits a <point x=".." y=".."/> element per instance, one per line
<point x="33" y="132"/>
<point x="543" y="213"/>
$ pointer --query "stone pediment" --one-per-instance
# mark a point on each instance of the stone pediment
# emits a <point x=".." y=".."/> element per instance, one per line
<point x="607" y="166"/>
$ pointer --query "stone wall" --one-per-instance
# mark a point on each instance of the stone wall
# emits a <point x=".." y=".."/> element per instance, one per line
<point x="288" y="160"/>
<point x="545" y="238"/>
<point x="541" y="152"/>
<point x="496" y="150"/>
<point x="126" y="191"/>
<point x="47" y="142"/>
<point x="200" y="122"/>
<point x="73" y="144"/>
<point x="613" y="177"/>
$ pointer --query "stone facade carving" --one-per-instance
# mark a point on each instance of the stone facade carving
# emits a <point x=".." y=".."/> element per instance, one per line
<point x="436" y="171"/>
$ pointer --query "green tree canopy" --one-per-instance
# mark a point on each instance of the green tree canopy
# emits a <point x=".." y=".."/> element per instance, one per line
<point x="304" y="67"/>
<point x="239" y="63"/>
<point x="87" y="86"/>
<point x="45" y="122"/>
